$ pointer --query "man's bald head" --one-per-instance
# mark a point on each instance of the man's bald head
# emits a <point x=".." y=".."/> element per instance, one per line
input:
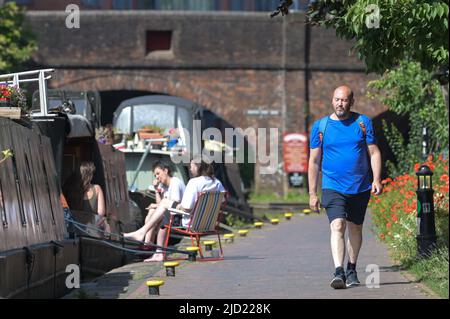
<point x="342" y="101"/>
<point x="344" y="89"/>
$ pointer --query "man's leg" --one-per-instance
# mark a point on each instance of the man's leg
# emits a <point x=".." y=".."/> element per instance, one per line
<point x="357" y="207"/>
<point x="354" y="241"/>
<point x="337" y="227"/>
<point x="335" y="205"/>
<point x="153" y="221"/>
<point x="353" y="244"/>
<point x="338" y="251"/>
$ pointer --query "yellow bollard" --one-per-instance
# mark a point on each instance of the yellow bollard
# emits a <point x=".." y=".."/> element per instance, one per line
<point x="153" y="286"/>
<point x="243" y="232"/>
<point x="258" y="224"/>
<point x="208" y="244"/>
<point x="170" y="268"/>
<point x="229" y="238"/>
<point x="288" y="216"/>
<point x="193" y="256"/>
<point x="275" y="221"/>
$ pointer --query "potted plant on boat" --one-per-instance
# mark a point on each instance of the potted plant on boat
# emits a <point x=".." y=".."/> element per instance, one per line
<point x="150" y="132"/>
<point x="12" y="101"/>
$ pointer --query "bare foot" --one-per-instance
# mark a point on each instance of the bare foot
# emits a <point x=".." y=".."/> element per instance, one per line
<point x="136" y="235"/>
<point x="157" y="257"/>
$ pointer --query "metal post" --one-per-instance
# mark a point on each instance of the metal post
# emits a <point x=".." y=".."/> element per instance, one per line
<point x="424" y="144"/>
<point x="426" y="231"/>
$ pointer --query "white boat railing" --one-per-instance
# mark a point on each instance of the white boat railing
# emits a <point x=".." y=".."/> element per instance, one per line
<point x="14" y="79"/>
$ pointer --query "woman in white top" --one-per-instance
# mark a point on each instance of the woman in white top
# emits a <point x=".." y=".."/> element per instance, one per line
<point x="166" y="186"/>
<point x="203" y="181"/>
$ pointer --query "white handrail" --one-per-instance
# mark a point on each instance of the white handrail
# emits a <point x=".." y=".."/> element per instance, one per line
<point x="15" y="79"/>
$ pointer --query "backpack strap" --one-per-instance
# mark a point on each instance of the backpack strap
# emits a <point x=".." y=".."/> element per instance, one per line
<point x="322" y="127"/>
<point x="361" y="125"/>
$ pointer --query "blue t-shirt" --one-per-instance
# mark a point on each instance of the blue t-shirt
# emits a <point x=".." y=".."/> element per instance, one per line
<point x="345" y="162"/>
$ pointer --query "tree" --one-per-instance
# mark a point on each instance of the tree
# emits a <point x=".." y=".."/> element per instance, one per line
<point x="407" y="42"/>
<point x="389" y="31"/>
<point x="409" y="90"/>
<point x="16" y="41"/>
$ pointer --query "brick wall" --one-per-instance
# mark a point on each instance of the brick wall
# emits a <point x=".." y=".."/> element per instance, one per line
<point x="227" y="62"/>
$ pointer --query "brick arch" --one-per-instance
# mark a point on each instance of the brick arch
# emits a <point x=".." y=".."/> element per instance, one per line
<point x="153" y="82"/>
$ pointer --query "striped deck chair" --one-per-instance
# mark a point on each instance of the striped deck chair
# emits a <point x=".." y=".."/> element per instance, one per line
<point x="205" y="218"/>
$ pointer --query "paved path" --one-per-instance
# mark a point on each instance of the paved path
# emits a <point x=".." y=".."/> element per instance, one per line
<point x="289" y="261"/>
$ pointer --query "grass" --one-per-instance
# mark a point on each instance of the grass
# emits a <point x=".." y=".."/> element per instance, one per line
<point x="291" y="197"/>
<point x="433" y="271"/>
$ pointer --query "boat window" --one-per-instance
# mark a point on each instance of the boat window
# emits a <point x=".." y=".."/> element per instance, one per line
<point x="2" y="207"/>
<point x="19" y="192"/>
<point x="33" y="195"/>
<point x="107" y="183"/>
<point x="158" y="115"/>
<point x="123" y="121"/>
<point x="47" y="188"/>
<point x="116" y="190"/>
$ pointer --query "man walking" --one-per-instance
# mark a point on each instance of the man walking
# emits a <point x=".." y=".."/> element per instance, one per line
<point x="343" y="145"/>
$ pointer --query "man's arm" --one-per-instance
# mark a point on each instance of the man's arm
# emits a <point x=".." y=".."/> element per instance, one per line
<point x="313" y="174"/>
<point x="375" y="162"/>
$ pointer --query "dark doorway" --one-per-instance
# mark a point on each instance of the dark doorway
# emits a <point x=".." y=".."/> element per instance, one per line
<point x="402" y="124"/>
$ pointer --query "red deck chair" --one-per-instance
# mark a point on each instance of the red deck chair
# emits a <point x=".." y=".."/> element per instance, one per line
<point x="205" y="218"/>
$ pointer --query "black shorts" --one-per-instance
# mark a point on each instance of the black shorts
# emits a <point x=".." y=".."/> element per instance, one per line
<point x="350" y="207"/>
<point x="166" y="217"/>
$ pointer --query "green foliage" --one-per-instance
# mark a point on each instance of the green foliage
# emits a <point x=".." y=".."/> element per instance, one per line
<point x="407" y="29"/>
<point x="234" y="221"/>
<point x="433" y="271"/>
<point x="409" y="90"/>
<point x="291" y="196"/>
<point x="394" y="215"/>
<point x="16" y="41"/>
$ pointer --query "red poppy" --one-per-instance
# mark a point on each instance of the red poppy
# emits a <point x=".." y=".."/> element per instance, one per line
<point x="416" y="167"/>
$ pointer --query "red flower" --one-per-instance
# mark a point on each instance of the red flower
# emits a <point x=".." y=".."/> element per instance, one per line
<point x="382" y="236"/>
<point x="388" y="225"/>
<point x="416" y="167"/>
<point x="394" y="218"/>
<point x="444" y="178"/>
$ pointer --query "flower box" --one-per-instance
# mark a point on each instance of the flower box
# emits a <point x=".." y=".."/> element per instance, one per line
<point x="11" y="112"/>
<point x="150" y="134"/>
